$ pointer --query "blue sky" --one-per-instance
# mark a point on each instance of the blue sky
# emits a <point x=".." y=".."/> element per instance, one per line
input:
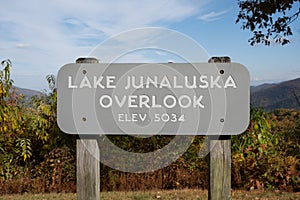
<point x="41" y="36"/>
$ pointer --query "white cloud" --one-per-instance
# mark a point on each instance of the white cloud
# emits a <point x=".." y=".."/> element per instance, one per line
<point x="22" y="45"/>
<point x="46" y="34"/>
<point x="212" y="16"/>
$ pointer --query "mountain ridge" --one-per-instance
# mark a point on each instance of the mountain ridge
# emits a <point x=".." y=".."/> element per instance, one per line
<point x="27" y="92"/>
<point x="277" y="95"/>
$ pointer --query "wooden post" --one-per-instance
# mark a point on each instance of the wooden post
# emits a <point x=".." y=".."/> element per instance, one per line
<point x="219" y="160"/>
<point x="88" y="169"/>
<point x="88" y="166"/>
<point x="220" y="168"/>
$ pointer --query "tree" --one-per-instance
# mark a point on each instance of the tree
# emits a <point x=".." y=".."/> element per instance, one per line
<point x="23" y="129"/>
<point x="268" y="19"/>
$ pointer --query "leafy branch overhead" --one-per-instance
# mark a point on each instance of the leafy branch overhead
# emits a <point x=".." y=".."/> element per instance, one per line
<point x="268" y="20"/>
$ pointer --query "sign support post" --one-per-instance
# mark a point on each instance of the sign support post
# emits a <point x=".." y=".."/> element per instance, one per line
<point x="88" y="169"/>
<point x="219" y="159"/>
<point x="88" y="165"/>
<point x="219" y="168"/>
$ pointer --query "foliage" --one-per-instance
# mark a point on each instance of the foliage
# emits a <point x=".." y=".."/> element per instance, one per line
<point x="5" y="81"/>
<point x="37" y="157"/>
<point x="21" y="127"/>
<point x="268" y="19"/>
<point x="28" y="132"/>
<point x="267" y="154"/>
<point x="57" y="170"/>
<point x="57" y="138"/>
<point x="258" y="138"/>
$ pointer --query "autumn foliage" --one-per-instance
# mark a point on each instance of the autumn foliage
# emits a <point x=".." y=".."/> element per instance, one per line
<point x="37" y="157"/>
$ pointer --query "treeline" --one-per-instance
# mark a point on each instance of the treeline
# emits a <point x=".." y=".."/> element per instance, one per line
<point x="37" y="157"/>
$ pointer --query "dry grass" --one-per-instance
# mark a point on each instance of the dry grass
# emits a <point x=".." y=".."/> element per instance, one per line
<point x="163" y="195"/>
<point x="68" y="196"/>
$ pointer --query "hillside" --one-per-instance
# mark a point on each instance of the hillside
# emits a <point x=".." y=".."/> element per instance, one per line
<point x="262" y="87"/>
<point x="280" y="95"/>
<point x="27" y="93"/>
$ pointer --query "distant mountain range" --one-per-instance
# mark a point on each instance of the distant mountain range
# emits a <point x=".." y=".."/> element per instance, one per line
<point x="280" y="95"/>
<point x="269" y="96"/>
<point x="27" y="93"/>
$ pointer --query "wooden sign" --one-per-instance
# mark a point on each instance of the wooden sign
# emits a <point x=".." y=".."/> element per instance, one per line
<point x="146" y="99"/>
